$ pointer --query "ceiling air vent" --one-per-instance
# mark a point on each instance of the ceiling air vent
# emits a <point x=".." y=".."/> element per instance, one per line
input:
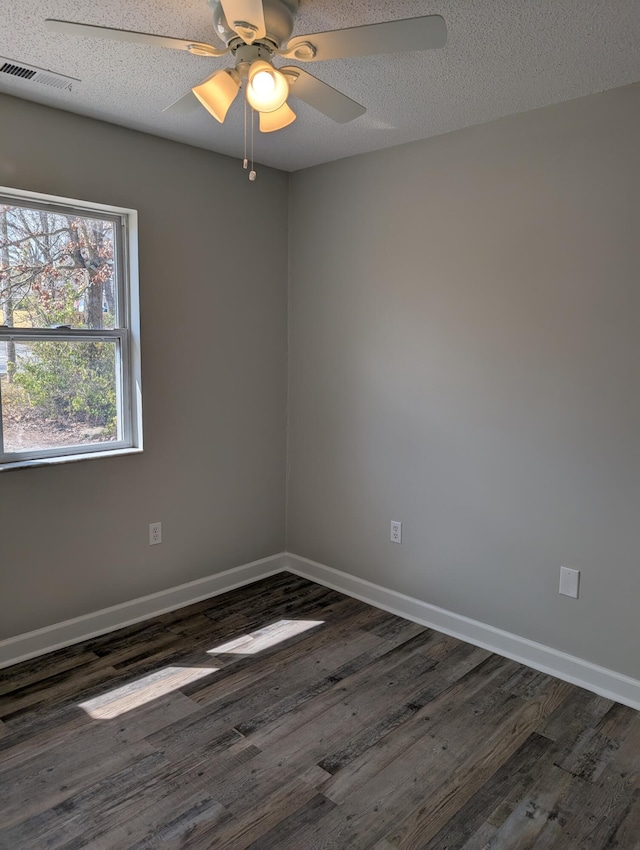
<point x="33" y="74"/>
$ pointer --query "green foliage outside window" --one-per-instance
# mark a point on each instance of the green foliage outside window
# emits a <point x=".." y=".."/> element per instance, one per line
<point x="71" y="381"/>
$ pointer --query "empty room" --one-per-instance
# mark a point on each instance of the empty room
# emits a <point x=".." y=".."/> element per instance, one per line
<point x="319" y="425"/>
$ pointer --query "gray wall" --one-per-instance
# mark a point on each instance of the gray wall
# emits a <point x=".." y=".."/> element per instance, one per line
<point x="464" y="350"/>
<point x="463" y="357"/>
<point x="74" y="538"/>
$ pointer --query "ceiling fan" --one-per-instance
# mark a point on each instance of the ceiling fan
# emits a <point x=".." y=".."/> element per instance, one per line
<point x="254" y="32"/>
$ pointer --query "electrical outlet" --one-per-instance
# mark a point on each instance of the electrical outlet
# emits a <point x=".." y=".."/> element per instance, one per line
<point x="396" y="532"/>
<point x="155" y="533"/>
<point x="569" y="582"/>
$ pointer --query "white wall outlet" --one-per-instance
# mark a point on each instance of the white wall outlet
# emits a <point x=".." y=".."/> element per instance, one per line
<point x="569" y="582"/>
<point x="396" y="532"/>
<point x="155" y="533"/>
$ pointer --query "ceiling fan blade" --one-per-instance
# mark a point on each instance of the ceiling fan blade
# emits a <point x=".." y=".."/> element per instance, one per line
<point x="423" y="33"/>
<point x="245" y="17"/>
<point x="198" y="48"/>
<point x="185" y="105"/>
<point x="218" y="92"/>
<point x="321" y="96"/>
<point x="276" y="120"/>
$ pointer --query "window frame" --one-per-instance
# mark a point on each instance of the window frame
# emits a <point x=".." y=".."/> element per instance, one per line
<point x="125" y="335"/>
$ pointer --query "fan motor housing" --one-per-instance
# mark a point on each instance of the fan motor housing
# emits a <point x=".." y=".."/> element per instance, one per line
<point x="247" y="54"/>
<point x="278" y="18"/>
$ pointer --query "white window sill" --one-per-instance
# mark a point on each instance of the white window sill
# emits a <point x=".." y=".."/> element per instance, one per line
<point x="50" y="461"/>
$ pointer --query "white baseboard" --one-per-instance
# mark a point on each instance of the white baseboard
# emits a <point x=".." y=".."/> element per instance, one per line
<point x="577" y="671"/>
<point x="600" y="680"/>
<point x="59" y="635"/>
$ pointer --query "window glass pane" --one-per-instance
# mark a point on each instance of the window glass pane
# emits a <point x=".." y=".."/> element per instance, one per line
<point x="58" y="393"/>
<point x="56" y="269"/>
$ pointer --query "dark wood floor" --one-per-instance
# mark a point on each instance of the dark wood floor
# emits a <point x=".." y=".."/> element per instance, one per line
<point x="284" y="715"/>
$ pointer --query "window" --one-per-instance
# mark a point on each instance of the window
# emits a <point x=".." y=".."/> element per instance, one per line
<point x="69" y="330"/>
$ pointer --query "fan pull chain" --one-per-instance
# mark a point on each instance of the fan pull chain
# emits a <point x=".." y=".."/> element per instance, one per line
<point x="245" y="161"/>
<point x="252" y="173"/>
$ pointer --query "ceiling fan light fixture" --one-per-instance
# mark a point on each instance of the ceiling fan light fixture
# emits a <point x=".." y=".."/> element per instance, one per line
<point x="263" y="84"/>
<point x="277" y="120"/>
<point x="267" y="88"/>
<point x="218" y="93"/>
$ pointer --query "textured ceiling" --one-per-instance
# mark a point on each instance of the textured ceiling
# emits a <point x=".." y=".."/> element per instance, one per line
<point x="502" y="57"/>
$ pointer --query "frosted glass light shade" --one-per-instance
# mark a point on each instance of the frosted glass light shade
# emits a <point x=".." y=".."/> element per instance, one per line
<point x="267" y="88"/>
<point x="218" y="93"/>
<point x="276" y="120"/>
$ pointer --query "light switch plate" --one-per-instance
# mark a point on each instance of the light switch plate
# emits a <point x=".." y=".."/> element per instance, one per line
<point x="569" y="582"/>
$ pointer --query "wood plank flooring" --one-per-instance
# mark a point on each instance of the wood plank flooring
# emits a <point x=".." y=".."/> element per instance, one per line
<point x="284" y="715"/>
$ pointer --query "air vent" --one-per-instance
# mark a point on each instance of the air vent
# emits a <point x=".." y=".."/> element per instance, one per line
<point x="33" y="74"/>
<point x="17" y="71"/>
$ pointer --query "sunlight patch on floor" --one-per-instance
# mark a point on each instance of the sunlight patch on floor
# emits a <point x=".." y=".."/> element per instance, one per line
<point x="147" y="688"/>
<point x="265" y="638"/>
<point x="143" y="690"/>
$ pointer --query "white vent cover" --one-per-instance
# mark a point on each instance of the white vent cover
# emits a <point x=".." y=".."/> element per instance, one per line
<point x="33" y="74"/>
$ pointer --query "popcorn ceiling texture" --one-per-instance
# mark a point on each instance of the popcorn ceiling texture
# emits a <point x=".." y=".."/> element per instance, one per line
<point x="502" y="57"/>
